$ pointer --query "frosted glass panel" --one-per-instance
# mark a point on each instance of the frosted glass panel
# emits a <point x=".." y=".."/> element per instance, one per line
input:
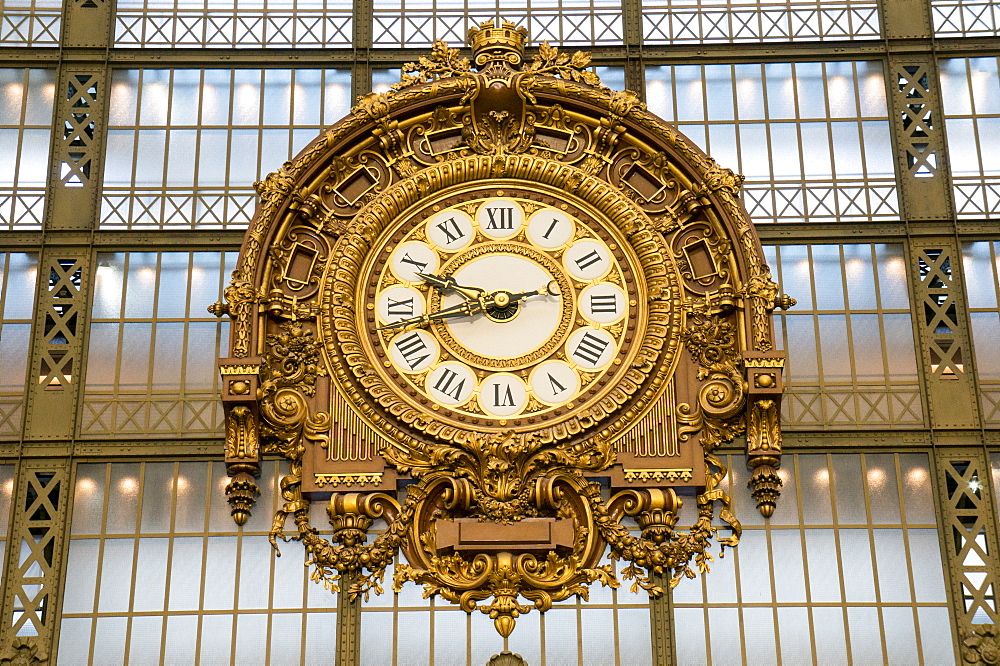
<point x="698" y="21"/>
<point x="153" y="347"/>
<point x="847" y="338"/>
<point x="832" y="566"/>
<point x="981" y="263"/>
<point x="228" y="24"/>
<point x="417" y="23"/>
<point x="812" y="139"/>
<point x="26" y="100"/>
<point x="970" y="90"/>
<point x="186" y="146"/>
<point x="18" y="275"/>
<point x="177" y="583"/>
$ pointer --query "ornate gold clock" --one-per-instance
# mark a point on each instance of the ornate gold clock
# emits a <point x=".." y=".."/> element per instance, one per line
<point x="528" y="296"/>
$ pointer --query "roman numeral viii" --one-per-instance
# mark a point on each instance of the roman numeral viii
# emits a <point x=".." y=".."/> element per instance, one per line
<point x="410" y="348"/>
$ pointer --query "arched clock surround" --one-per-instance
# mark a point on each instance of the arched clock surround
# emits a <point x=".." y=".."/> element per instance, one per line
<point x="637" y="375"/>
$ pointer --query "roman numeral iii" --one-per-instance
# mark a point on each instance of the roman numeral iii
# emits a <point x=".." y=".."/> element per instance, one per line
<point x="607" y="303"/>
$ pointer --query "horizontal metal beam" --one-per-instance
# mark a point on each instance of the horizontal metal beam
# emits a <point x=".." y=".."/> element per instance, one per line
<point x="795" y="441"/>
<point x="126" y="240"/>
<point x="781" y="233"/>
<point x="151" y="57"/>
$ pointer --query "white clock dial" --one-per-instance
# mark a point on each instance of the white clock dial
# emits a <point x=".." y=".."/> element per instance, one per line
<point x="587" y="260"/>
<point x="451" y="383"/>
<point x="554" y="382"/>
<point x="414" y="351"/>
<point x="500" y="218"/>
<point x="399" y="302"/>
<point x="450" y="230"/>
<point x="537" y="316"/>
<point x="603" y="303"/>
<point x="412" y="258"/>
<point x="503" y="394"/>
<point x="550" y="228"/>
<point x="590" y="348"/>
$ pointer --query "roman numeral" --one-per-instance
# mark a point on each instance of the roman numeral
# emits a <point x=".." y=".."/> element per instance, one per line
<point x="500" y="218"/>
<point x="402" y="308"/>
<point x="588" y="259"/>
<point x="604" y="303"/>
<point x="445" y="381"/>
<point x="504" y="400"/>
<point x="590" y="348"/>
<point x="452" y="232"/>
<point x="552" y="226"/>
<point x="411" y="347"/>
<point x="557" y="388"/>
<point x="420" y="265"/>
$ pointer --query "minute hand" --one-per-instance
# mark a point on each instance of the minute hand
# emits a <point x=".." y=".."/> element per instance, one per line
<point x="461" y="310"/>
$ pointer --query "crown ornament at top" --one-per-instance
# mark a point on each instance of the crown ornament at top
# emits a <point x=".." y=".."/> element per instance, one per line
<point x="490" y="42"/>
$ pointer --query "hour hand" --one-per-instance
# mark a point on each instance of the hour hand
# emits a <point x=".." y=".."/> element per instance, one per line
<point x="465" y="309"/>
<point x="447" y="282"/>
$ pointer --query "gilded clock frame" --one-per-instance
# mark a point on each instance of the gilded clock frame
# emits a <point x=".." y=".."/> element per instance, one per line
<point x="300" y="380"/>
<point x="646" y="366"/>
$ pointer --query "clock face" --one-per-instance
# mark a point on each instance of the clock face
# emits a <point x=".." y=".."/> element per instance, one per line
<point x="501" y="307"/>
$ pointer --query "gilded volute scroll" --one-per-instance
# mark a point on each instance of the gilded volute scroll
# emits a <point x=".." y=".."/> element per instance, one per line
<point x="508" y="313"/>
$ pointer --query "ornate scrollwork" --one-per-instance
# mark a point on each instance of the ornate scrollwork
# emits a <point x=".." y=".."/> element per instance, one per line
<point x="23" y="650"/>
<point x="242" y="491"/>
<point x="293" y="360"/>
<point x="240" y="299"/>
<point x="980" y="644"/>
<point x="241" y="433"/>
<point x="442" y="63"/>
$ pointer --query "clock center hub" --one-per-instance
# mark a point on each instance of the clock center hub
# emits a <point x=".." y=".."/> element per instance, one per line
<point x="523" y="319"/>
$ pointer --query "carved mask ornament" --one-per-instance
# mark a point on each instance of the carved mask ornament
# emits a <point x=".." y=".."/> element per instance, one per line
<point x="499" y="308"/>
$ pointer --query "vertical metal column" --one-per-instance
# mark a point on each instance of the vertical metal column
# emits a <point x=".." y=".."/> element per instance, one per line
<point x="968" y="528"/>
<point x="361" y="66"/>
<point x="661" y="622"/>
<point x="967" y="520"/>
<point x="33" y="565"/>
<point x="35" y="559"/>
<point x="349" y="612"/>
<point x="635" y="67"/>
